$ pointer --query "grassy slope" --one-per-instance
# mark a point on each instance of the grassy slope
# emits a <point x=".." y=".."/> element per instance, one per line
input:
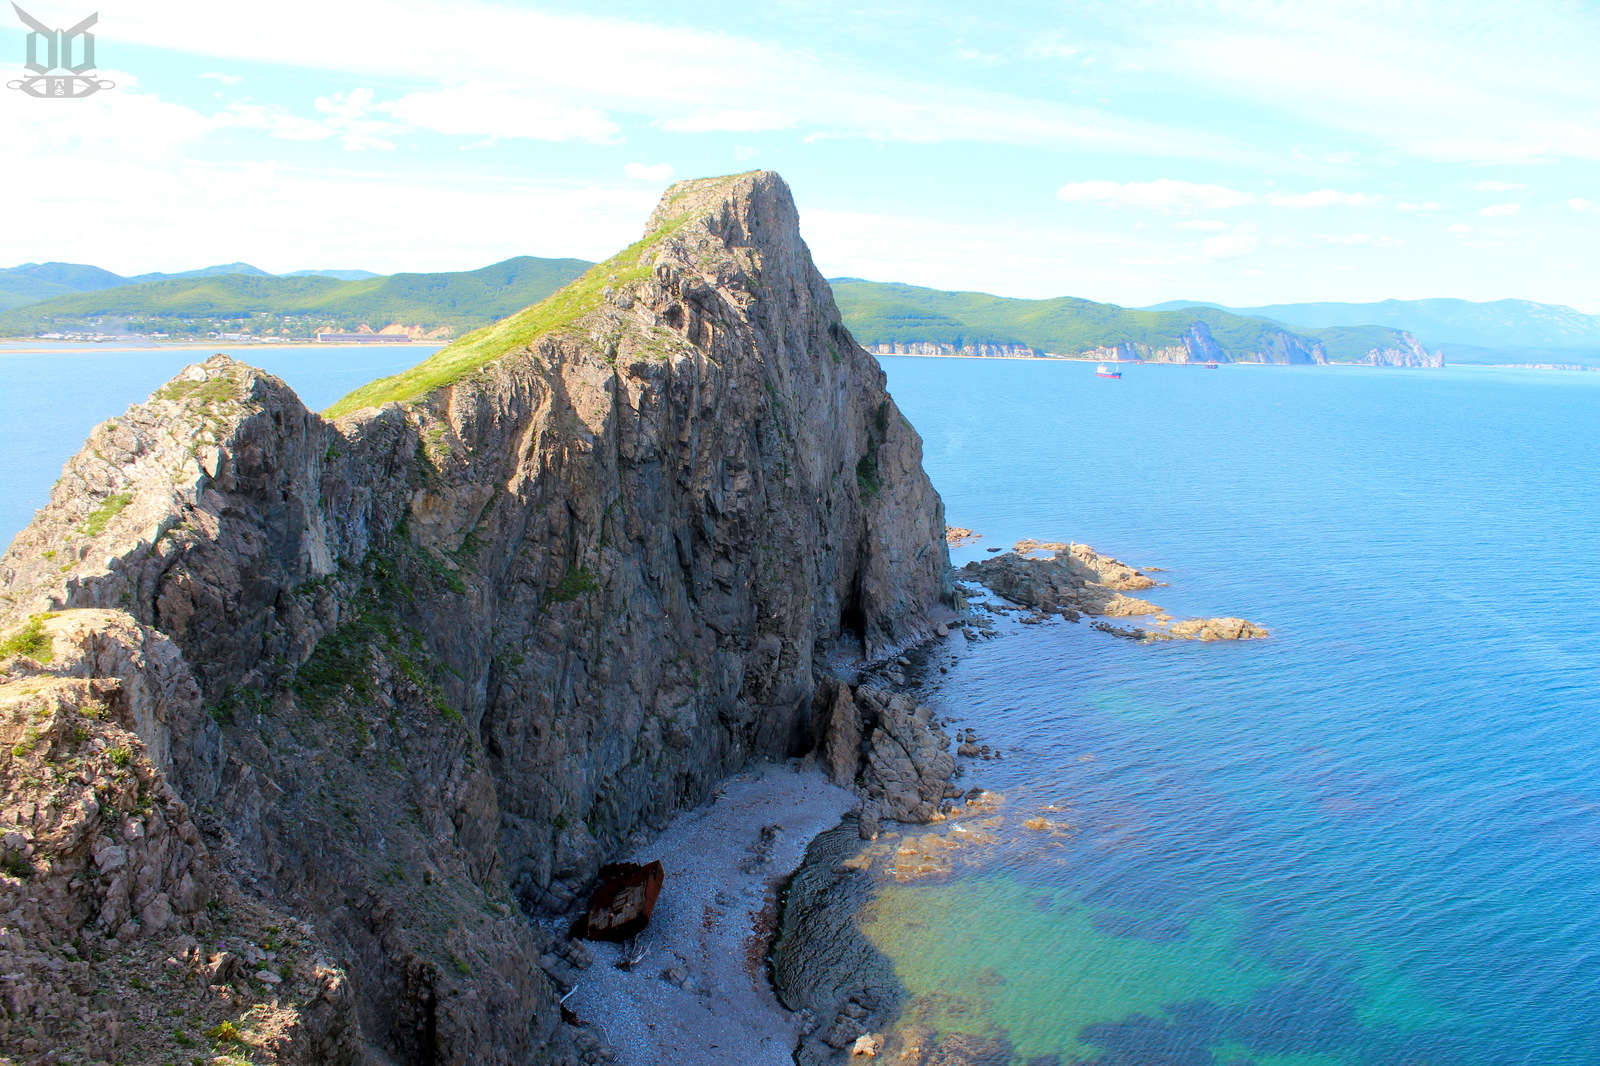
<point x="462" y="300"/>
<point x="483" y="346"/>
<point x="880" y="313"/>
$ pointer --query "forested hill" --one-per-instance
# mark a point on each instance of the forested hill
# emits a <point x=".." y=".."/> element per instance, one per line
<point x="299" y="305"/>
<point x="889" y="316"/>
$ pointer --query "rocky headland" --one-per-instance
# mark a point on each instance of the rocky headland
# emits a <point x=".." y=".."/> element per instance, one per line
<point x="309" y="719"/>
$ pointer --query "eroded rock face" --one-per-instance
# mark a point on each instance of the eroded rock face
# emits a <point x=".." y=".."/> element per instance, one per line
<point x="448" y="655"/>
<point x="892" y="750"/>
<point x="118" y="926"/>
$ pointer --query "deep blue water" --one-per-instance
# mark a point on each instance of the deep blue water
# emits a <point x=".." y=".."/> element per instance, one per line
<point x="1373" y="838"/>
<point x="48" y="403"/>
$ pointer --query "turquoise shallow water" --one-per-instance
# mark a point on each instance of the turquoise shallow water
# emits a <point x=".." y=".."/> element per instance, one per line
<point x="1372" y="839"/>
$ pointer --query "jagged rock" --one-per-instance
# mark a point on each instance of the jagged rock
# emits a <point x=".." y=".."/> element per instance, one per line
<point x="1075" y="578"/>
<point x="867" y="1046"/>
<point x="470" y="639"/>
<point x="908" y="764"/>
<point x="1217" y="629"/>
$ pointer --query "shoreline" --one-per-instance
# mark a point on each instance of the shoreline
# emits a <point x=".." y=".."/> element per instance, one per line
<point x="703" y="995"/>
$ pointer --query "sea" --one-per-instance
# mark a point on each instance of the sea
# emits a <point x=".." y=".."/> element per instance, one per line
<point x="1372" y="838"/>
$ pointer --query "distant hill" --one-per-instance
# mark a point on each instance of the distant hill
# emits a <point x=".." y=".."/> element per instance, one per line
<point x="32" y="282"/>
<point x="301" y="305"/>
<point x="342" y="275"/>
<point x="888" y="316"/>
<point x="204" y="272"/>
<point x="1497" y="324"/>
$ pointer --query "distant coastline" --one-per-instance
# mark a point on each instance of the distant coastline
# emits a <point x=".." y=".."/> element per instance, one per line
<point x="419" y="345"/>
<point x="1244" y="363"/>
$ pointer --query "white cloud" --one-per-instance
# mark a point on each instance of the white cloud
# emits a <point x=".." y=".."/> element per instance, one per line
<point x="1053" y="49"/>
<point x="1582" y="206"/>
<point x="727" y="121"/>
<point x="1425" y="78"/>
<point x="641" y="172"/>
<point x="1321" y="198"/>
<point x="1495" y="186"/>
<point x="1202" y="225"/>
<point x="452" y="220"/>
<point x="123" y="121"/>
<point x="1230" y="245"/>
<point x="1359" y="239"/>
<point x="346" y="117"/>
<point x="595" y="65"/>
<point x="1162" y="195"/>
<point x="484" y="109"/>
<point x="1459" y="227"/>
<point x="1500" y="210"/>
<point x="226" y="79"/>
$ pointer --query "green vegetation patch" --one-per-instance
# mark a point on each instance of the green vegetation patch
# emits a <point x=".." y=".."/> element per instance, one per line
<point x="342" y="662"/>
<point x="30" y="640"/>
<point x="574" y="583"/>
<point x="483" y="346"/>
<point x="209" y="391"/>
<point x="98" y="518"/>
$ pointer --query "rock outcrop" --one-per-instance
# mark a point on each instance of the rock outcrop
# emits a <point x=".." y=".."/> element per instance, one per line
<point x="1075" y="580"/>
<point x="123" y="935"/>
<point x="890" y="749"/>
<point x="453" y="647"/>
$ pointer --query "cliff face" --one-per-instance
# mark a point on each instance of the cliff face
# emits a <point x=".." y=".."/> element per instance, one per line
<point x="451" y="652"/>
<point x="1411" y="354"/>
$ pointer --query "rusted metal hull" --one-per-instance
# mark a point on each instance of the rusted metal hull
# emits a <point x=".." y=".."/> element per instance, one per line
<point x="622" y="902"/>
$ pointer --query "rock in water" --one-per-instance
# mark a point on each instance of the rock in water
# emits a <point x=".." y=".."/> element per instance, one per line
<point x="1076" y="579"/>
<point x="440" y="654"/>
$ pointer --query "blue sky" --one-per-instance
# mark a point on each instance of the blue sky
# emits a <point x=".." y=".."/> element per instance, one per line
<point x="1242" y="151"/>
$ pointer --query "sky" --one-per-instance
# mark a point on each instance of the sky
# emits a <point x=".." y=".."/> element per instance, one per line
<point x="1131" y="151"/>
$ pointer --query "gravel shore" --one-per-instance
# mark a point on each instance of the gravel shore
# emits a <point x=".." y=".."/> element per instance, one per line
<point x="703" y="993"/>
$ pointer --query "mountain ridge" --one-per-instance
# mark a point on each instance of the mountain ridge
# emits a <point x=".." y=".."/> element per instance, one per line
<point x="892" y="317"/>
<point x="455" y="300"/>
<point x="1439" y="321"/>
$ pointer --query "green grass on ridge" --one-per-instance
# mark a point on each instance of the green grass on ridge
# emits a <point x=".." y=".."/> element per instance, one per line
<point x="483" y="346"/>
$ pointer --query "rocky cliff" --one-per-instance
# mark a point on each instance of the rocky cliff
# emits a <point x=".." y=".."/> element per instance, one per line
<point x="1408" y="353"/>
<point x="417" y="668"/>
<point x="978" y="351"/>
